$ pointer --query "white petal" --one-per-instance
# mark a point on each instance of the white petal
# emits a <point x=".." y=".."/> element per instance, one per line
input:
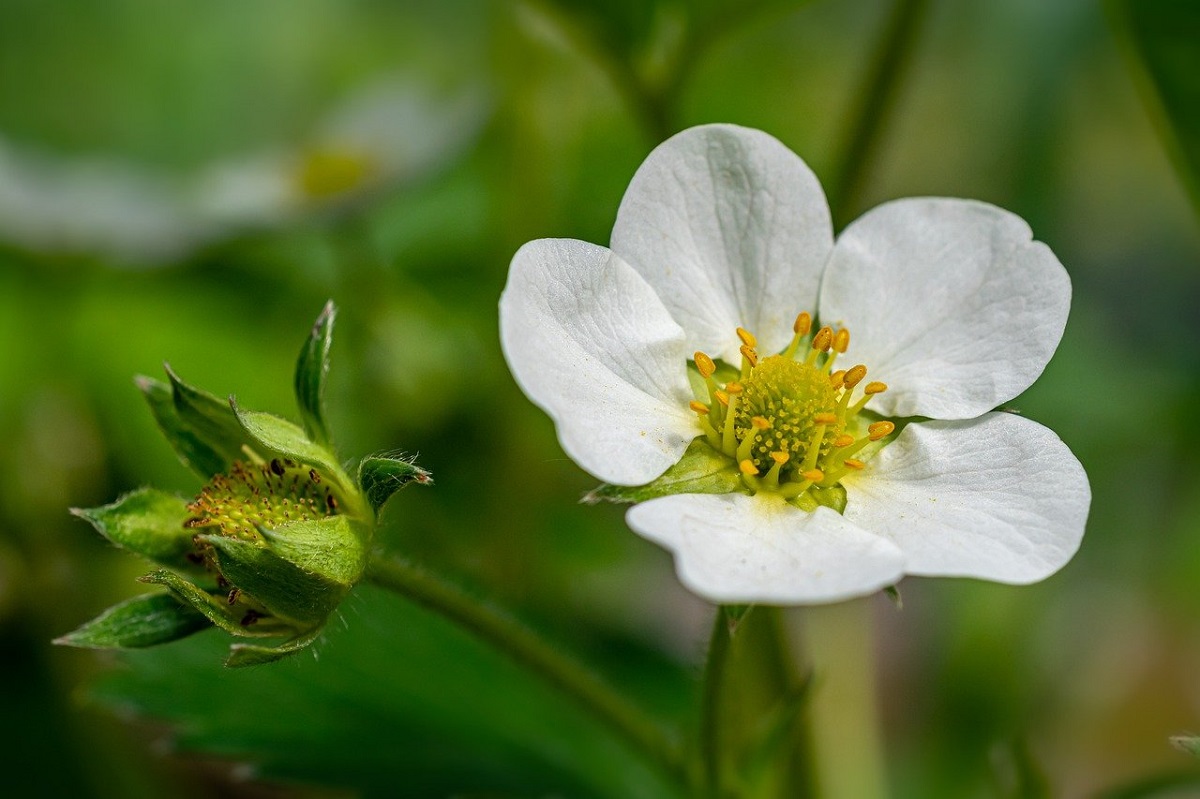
<point x="591" y="344"/>
<point x="738" y="548"/>
<point x="999" y="497"/>
<point x="731" y="228"/>
<point x="950" y="302"/>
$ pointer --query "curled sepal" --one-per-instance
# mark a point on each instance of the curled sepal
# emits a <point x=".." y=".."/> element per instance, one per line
<point x="191" y="449"/>
<point x="1187" y="743"/>
<point x="311" y="368"/>
<point x="143" y="621"/>
<point x="256" y="655"/>
<point x="210" y="420"/>
<point x="278" y="436"/>
<point x="233" y="618"/>
<point x="148" y="522"/>
<point x="333" y="547"/>
<point x="285" y="589"/>
<point x="380" y="476"/>
<point x="701" y="470"/>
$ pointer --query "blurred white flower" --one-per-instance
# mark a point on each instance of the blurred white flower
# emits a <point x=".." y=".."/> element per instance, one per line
<point x="390" y="132"/>
<point x="761" y="466"/>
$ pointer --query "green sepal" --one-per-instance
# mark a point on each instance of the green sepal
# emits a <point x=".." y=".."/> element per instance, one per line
<point x="192" y="451"/>
<point x="214" y="608"/>
<point x="146" y="620"/>
<point x="701" y="470"/>
<point x="282" y="587"/>
<point x="1187" y="743"/>
<point x="241" y="655"/>
<point x="311" y="368"/>
<point x="210" y="419"/>
<point x="147" y="522"/>
<point x="833" y="497"/>
<point x="380" y="476"/>
<point x="278" y="436"/>
<point x="333" y="547"/>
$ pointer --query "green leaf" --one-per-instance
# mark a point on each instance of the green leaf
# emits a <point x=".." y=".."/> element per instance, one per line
<point x="399" y="697"/>
<point x="1160" y="37"/>
<point x="216" y="609"/>
<point x="210" y="419"/>
<point x="255" y="655"/>
<point x="701" y="470"/>
<point x="143" y="621"/>
<point x="195" y="454"/>
<point x="281" y="586"/>
<point x="380" y="476"/>
<point x="333" y="547"/>
<point x="147" y="522"/>
<point x="283" y="438"/>
<point x="311" y="368"/>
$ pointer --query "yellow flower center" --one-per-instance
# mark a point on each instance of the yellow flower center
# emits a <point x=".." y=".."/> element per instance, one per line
<point x="790" y="421"/>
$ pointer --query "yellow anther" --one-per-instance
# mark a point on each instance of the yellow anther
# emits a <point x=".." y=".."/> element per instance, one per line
<point x="747" y="337"/>
<point x="875" y="387"/>
<point x="841" y="340"/>
<point x="803" y="324"/>
<point x="733" y="387"/>
<point x="854" y="375"/>
<point x="854" y="463"/>
<point x="698" y="407"/>
<point x="844" y="440"/>
<point x="823" y="340"/>
<point x="878" y="430"/>
<point x="748" y="468"/>
<point x="825" y="418"/>
<point x="813" y="475"/>
<point x="722" y="398"/>
<point x="837" y="379"/>
<point x="704" y="364"/>
<point x="749" y="354"/>
<point x="761" y="422"/>
<point x="780" y="457"/>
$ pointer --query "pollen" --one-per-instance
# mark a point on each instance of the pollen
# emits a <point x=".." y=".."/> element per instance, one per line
<point x="791" y="424"/>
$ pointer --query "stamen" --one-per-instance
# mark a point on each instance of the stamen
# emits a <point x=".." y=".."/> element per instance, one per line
<point x="841" y="340"/>
<point x="698" y="407"/>
<point x="747" y="466"/>
<point x="878" y="430"/>
<point x="747" y="337"/>
<point x="800" y="329"/>
<point x="771" y="481"/>
<point x="749" y="360"/>
<point x="837" y="379"/>
<point x="854" y="463"/>
<point x="728" y="437"/>
<point x="757" y="425"/>
<point x="793" y="490"/>
<point x="854" y="375"/>
<point x="821" y="342"/>
<point x="704" y="364"/>
<point x="844" y="440"/>
<point x="723" y="398"/>
<point x="875" y="387"/>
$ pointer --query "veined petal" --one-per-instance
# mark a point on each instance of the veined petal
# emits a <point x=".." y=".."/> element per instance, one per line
<point x="731" y="228"/>
<point x="999" y="497"/>
<point x="951" y="302"/>
<point x="590" y="343"/>
<point x="735" y="548"/>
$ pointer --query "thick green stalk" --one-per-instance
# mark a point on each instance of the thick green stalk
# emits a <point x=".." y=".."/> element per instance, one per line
<point x="846" y="747"/>
<point x="525" y="647"/>
<point x="710" y="708"/>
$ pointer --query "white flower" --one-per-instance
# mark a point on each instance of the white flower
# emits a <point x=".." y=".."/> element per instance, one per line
<point x="723" y="236"/>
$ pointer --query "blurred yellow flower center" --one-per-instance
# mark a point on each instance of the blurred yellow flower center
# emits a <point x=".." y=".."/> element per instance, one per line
<point x="790" y="421"/>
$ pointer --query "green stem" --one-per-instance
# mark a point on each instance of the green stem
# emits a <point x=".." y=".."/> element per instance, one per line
<point x="893" y="56"/>
<point x="846" y="747"/>
<point x="710" y="707"/>
<point x="531" y="651"/>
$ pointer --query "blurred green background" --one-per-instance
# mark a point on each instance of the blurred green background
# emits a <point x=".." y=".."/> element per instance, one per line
<point x="190" y="181"/>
